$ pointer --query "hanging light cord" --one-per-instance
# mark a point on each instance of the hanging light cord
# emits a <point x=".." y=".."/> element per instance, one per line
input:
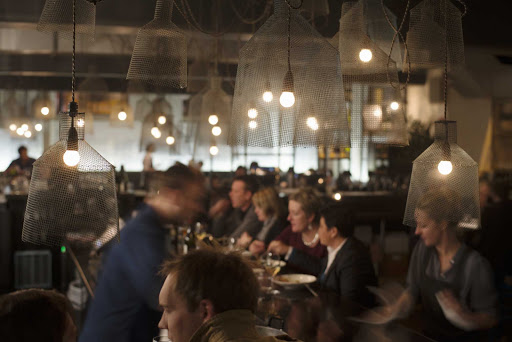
<point x="398" y="34"/>
<point x="73" y="55"/>
<point x="290" y="7"/>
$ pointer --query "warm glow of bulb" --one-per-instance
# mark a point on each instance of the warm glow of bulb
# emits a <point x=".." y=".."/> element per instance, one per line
<point x="24" y="127"/>
<point x="394" y="105"/>
<point x="38" y="127"/>
<point x="214" y="150"/>
<point x="216" y="130"/>
<point x="20" y="131"/>
<point x="155" y="132"/>
<point x="162" y="119"/>
<point x="71" y="158"/>
<point x="45" y="110"/>
<point x="122" y="115"/>
<point x="252" y="113"/>
<point x="170" y="140"/>
<point x="287" y="99"/>
<point x="365" y="55"/>
<point x="253" y="124"/>
<point x="320" y="181"/>
<point x="28" y="134"/>
<point x="312" y="123"/>
<point x="213" y="119"/>
<point x="377" y="112"/>
<point x="267" y="96"/>
<point x="80" y="122"/>
<point x="337" y="196"/>
<point x="12" y="127"/>
<point x="445" y="167"/>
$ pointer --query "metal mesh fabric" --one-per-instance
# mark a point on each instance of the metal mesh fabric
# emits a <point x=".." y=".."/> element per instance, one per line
<point x="435" y="25"/>
<point x="376" y="108"/>
<point x="57" y="16"/>
<point x="318" y="116"/>
<point x="315" y="8"/>
<point x="160" y="119"/>
<point x="75" y="204"/>
<point x="456" y="190"/>
<point x="160" y="52"/>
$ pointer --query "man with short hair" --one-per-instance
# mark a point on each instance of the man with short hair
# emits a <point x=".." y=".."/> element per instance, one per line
<point x="242" y="218"/>
<point x="210" y="296"/>
<point x="21" y="165"/>
<point x="125" y="307"/>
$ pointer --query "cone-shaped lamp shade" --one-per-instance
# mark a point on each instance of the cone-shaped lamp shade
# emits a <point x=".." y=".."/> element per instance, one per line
<point x="433" y="26"/>
<point x="444" y="180"/>
<point x="160" y="52"/>
<point x="368" y="80"/>
<point x="78" y="203"/>
<point x="57" y="16"/>
<point x="261" y="88"/>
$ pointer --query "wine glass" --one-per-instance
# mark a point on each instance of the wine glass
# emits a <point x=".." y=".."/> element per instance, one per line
<point x="272" y="265"/>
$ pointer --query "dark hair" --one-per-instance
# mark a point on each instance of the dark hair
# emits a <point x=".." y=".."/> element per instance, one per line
<point x="149" y="146"/>
<point x="224" y="278"/>
<point x="250" y="182"/>
<point x="45" y="311"/>
<point x="339" y="217"/>
<point x="178" y="177"/>
<point x="22" y="148"/>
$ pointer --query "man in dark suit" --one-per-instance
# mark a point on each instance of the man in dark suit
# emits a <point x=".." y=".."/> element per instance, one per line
<point x="348" y="268"/>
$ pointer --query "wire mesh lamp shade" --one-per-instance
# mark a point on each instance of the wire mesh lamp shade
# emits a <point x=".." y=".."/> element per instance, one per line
<point x="160" y="52"/>
<point x="376" y="108"/>
<point x="297" y="104"/>
<point x="444" y="180"/>
<point x="57" y="16"/>
<point x="435" y="25"/>
<point x="77" y="204"/>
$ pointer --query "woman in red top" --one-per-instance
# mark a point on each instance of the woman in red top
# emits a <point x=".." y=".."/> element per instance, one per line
<point x="302" y="233"/>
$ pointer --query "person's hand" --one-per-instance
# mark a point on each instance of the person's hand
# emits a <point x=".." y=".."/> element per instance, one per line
<point x="450" y="302"/>
<point x="257" y="247"/>
<point x="278" y="247"/>
<point x="244" y="240"/>
<point x="219" y="208"/>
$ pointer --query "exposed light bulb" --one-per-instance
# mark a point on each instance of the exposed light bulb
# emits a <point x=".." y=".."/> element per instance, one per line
<point x="320" y="181"/>
<point x="287" y="99"/>
<point x="122" y="115"/>
<point x="214" y="150"/>
<point x="38" y="127"/>
<point x="45" y="110"/>
<point x="20" y="131"/>
<point x="12" y="127"/>
<point x="213" y="119"/>
<point x="394" y="105"/>
<point x="80" y="122"/>
<point x="170" y="140"/>
<point x="155" y="132"/>
<point x="24" y="127"/>
<point x="337" y="196"/>
<point x="377" y="112"/>
<point x="445" y="167"/>
<point x="312" y="123"/>
<point x="71" y="158"/>
<point x="28" y="134"/>
<point x="253" y="124"/>
<point x="216" y="130"/>
<point x="252" y="113"/>
<point x="268" y="96"/>
<point x="162" y="119"/>
<point x="365" y="55"/>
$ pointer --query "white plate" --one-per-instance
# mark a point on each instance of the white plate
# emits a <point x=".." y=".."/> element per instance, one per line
<point x="294" y="280"/>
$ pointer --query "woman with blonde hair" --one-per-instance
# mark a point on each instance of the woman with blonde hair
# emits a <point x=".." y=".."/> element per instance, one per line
<point x="302" y="233"/>
<point x="269" y="210"/>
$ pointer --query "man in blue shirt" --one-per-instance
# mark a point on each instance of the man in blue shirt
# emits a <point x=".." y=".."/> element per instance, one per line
<point x="125" y="307"/>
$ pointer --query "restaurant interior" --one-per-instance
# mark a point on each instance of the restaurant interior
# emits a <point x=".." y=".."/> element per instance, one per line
<point x="361" y="115"/>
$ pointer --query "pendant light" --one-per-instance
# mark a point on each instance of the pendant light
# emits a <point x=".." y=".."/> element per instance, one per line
<point x="57" y="16"/>
<point x="72" y="194"/>
<point x="158" y="128"/>
<point x="433" y="25"/>
<point x="445" y="175"/>
<point x="288" y="73"/>
<point x="42" y="107"/>
<point x="160" y="52"/>
<point x="121" y="113"/>
<point x="370" y="78"/>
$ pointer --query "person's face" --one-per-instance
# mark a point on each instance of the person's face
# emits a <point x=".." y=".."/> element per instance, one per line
<point x="176" y="318"/>
<point x="428" y="229"/>
<point x="23" y="154"/>
<point x="238" y="195"/>
<point x="260" y="213"/>
<point x="297" y="217"/>
<point x="326" y="236"/>
<point x="180" y="205"/>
